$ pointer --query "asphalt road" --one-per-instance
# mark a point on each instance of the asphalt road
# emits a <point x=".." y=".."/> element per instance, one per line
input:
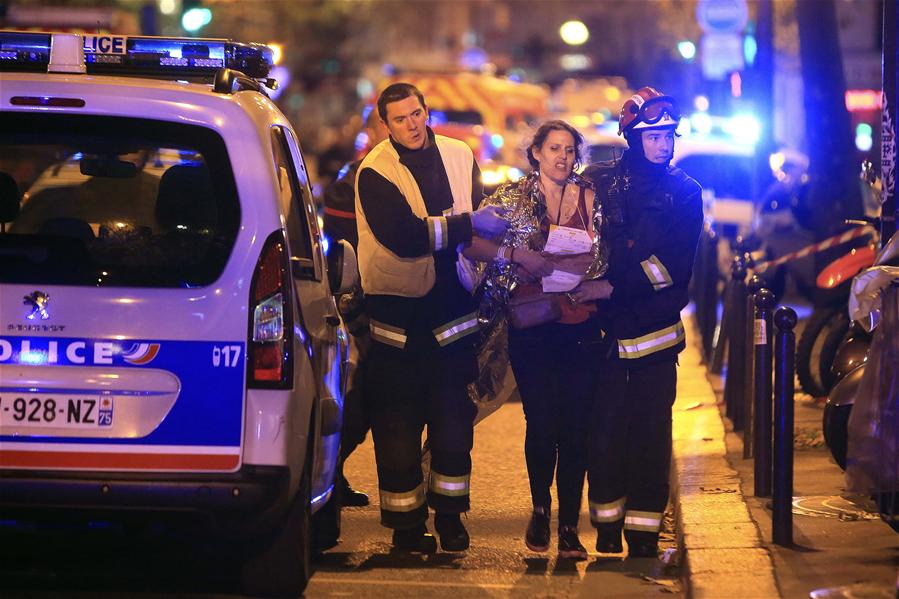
<point x="81" y="565"/>
<point x="498" y="563"/>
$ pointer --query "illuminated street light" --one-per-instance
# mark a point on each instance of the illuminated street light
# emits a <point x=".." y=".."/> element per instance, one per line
<point x="744" y="128"/>
<point x="168" y="7"/>
<point x="687" y="49"/>
<point x="701" y="103"/>
<point x="750" y="49"/>
<point x="864" y="139"/>
<point x="574" y="33"/>
<point x="196" y="18"/>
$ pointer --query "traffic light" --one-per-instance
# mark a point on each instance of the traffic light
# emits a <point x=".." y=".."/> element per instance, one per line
<point x="194" y="16"/>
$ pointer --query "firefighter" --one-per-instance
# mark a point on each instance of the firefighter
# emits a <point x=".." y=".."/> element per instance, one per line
<point x="654" y="216"/>
<point x="340" y="223"/>
<point x="414" y="198"/>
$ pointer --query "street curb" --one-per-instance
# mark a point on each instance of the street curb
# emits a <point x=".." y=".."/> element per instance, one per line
<point x="721" y="550"/>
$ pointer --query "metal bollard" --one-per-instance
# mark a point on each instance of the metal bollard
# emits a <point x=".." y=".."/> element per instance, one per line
<point x="752" y="288"/>
<point x="784" y="367"/>
<point x="709" y="293"/>
<point x="764" y="304"/>
<point x="720" y="343"/>
<point x="698" y="283"/>
<point x="736" y="345"/>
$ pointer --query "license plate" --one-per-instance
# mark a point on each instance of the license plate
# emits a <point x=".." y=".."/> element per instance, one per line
<point x="55" y="410"/>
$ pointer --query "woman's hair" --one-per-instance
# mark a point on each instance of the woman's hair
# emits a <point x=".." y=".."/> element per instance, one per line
<point x="544" y="130"/>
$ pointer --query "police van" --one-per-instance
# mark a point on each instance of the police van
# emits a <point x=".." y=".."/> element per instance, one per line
<point x="169" y="341"/>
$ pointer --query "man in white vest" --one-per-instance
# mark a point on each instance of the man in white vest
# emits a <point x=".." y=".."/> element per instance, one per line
<point x="415" y="195"/>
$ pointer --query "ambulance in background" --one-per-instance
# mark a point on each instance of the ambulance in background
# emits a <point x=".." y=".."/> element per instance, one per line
<point x="71" y="19"/>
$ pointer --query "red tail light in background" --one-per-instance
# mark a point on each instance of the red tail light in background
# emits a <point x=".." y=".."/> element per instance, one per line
<point x="270" y="337"/>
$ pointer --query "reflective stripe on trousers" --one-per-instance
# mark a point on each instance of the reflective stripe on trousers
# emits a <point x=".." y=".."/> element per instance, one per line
<point x="451" y="486"/>
<point x="607" y="512"/>
<point x="403" y="502"/>
<point x="643" y="521"/>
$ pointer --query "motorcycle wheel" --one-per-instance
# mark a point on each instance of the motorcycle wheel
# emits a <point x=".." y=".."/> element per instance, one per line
<point x="836" y="431"/>
<point x="817" y="348"/>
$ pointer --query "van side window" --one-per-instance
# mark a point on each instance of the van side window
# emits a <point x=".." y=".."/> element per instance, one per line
<point x="298" y="232"/>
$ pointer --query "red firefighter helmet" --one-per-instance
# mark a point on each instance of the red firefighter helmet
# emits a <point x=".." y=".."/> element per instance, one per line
<point x="648" y="109"/>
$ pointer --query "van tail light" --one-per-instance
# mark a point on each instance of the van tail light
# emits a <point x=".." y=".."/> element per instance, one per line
<point x="270" y="338"/>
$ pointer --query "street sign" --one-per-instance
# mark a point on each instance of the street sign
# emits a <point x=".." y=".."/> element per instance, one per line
<point x="722" y="16"/>
<point x="722" y="53"/>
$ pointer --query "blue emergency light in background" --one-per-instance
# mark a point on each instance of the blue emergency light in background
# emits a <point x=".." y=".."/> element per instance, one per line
<point x="153" y="56"/>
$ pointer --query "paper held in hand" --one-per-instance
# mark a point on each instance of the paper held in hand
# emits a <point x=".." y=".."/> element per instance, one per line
<point x="565" y="241"/>
<point x="560" y="281"/>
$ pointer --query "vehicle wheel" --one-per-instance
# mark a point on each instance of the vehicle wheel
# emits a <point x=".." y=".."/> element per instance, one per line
<point x="817" y="348"/>
<point x="326" y="523"/>
<point x="836" y="431"/>
<point x="280" y="565"/>
<point x="888" y="505"/>
<point x="832" y="336"/>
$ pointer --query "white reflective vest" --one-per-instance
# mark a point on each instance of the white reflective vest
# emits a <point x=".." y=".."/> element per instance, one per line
<point x="383" y="272"/>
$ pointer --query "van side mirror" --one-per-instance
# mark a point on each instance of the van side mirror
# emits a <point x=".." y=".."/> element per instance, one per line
<point x="343" y="270"/>
<point x="9" y="200"/>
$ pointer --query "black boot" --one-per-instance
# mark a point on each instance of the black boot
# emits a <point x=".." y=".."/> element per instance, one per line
<point x="608" y="538"/>
<point x="643" y="550"/>
<point x="414" y="540"/>
<point x="453" y="536"/>
<point x="642" y="544"/>
<point x="537" y="535"/>
<point x="570" y="546"/>
<point x="350" y="497"/>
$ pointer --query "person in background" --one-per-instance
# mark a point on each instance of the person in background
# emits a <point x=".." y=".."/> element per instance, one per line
<point x="417" y="197"/>
<point x="340" y="223"/>
<point x="654" y="216"/>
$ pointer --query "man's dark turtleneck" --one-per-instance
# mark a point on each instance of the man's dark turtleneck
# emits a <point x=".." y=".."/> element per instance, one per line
<point x="428" y="171"/>
<point x="646" y="180"/>
<point x="635" y="160"/>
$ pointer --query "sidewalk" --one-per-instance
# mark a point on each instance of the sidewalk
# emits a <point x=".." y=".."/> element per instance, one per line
<point x="840" y="549"/>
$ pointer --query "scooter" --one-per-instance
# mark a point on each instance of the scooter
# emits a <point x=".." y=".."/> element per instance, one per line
<point x="849" y="366"/>
<point x="853" y="360"/>
<point x="829" y="323"/>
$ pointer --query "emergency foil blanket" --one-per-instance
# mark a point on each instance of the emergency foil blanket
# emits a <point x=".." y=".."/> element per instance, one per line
<point x="523" y="206"/>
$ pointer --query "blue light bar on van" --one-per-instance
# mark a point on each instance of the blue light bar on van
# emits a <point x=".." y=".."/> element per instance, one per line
<point x="155" y="56"/>
<point x="24" y="51"/>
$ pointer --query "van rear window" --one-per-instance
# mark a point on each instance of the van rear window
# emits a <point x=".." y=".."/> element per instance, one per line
<point x="108" y="201"/>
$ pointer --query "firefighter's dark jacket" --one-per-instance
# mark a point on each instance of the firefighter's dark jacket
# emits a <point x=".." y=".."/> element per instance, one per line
<point x="340" y="206"/>
<point x="653" y="219"/>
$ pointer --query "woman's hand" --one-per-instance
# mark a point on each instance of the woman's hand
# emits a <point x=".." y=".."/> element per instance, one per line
<point x="526" y="277"/>
<point x="590" y="290"/>
<point x="533" y="262"/>
<point x="575" y="264"/>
